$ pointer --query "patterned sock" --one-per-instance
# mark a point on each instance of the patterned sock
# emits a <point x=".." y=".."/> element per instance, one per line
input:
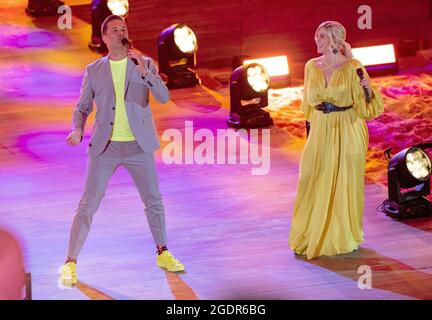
<point x="71" y="260"/>
<point x="161" y="249"/>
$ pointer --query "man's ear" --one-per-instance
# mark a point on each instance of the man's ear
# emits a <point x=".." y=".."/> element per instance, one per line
<point x="104" y="38"/>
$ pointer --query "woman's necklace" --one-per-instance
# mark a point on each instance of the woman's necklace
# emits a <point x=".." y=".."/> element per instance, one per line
<point x="326" y="66"/>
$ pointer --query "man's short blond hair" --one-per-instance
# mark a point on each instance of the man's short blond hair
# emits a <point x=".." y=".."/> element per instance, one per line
<point x="112" y="17"/>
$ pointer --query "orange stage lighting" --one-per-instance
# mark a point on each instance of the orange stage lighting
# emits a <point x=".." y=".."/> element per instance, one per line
<point x="375" y="55"/>
<point x="275" y="66"/>
<point x="377" y="59"/>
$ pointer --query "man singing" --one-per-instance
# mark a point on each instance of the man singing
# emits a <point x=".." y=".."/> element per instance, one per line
<point x="123" y="134"/>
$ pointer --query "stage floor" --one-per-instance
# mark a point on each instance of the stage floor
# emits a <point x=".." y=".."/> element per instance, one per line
<point x="229" y="227"/>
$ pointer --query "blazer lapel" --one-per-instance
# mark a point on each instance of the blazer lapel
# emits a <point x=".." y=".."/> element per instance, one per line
<point x="129" y="71"/>
<point x="107" y="71"/>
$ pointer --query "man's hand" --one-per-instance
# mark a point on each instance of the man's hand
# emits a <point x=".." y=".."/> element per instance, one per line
<point x="132" y="53"/>
<point x="74" y="138"/>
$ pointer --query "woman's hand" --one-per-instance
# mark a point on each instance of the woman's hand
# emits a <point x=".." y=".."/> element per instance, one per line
<point x="365" y="82"/>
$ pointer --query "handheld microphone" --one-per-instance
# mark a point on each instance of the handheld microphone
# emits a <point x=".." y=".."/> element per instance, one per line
<point x="128" y="45"/>
<point x="366" y="91"/>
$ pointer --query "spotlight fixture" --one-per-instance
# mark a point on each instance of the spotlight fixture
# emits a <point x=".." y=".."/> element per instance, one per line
<point x="249" y="86"/>
<point x="378" y="60"/>
<point x="177" y="47"/>
<point x="408" y="47"/>
<point x="409" y="173"/>
<point x="100" y="10"/>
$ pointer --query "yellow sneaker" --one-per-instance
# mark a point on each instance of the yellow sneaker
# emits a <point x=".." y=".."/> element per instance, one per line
<point x="68" y="276"/>
<point x="167" y="261"/>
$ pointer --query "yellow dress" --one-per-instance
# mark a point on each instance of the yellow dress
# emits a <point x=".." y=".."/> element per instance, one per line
<point x="328" y="210"/>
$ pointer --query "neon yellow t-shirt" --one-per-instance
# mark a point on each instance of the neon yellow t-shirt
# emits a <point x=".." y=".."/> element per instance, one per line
<point x="121" y="130"/>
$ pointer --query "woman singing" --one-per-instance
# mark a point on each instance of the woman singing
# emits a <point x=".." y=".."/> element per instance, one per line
<point x="328" y="209"/>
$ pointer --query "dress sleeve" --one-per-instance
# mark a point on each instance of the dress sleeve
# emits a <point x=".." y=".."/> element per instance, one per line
<point x="366" y="110"/>
<point x="305" y="105"/>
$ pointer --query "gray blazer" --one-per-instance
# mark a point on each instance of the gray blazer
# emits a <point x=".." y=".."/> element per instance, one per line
<point x="97" y="85"/>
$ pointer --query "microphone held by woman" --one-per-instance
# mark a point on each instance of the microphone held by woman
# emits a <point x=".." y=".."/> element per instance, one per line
<point x="366" y="91"/>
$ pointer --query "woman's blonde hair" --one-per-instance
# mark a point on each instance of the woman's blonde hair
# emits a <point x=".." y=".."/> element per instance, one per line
<point x="337" y="34"/>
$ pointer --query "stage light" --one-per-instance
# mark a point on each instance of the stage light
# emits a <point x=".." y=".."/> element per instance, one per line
<point x="408" y="47"/>
<point x="100" y="10"/>
<point x="377" y="60"/>
<point x="249" y="86"/>
<point x="375" y="55"/>
<point x="258" y="78"/>
<point x="275" y="66"/>
<point x="185" y="39"/>
<point x="118" y="7"/>
<point x="409" y="173"/>
<point x="177" y="47"/>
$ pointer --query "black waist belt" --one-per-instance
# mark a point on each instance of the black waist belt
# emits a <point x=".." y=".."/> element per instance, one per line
<point x="327" y="107"/>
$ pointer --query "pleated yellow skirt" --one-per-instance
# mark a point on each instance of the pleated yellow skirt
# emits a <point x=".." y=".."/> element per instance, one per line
<point x="328" y="210"/>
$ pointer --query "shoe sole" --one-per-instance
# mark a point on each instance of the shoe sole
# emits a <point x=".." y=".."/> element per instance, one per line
<point x="68" y="280"/>
<point x="69" y="284"/>
<point x="66" y="283"/>
<point x="171" y="270"/>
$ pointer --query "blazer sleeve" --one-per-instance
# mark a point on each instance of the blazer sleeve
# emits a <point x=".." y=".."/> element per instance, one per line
<point x="155" y="83"/>
<point x="84" y="106"/>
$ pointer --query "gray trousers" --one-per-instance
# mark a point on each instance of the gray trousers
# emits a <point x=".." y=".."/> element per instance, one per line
<point x="141" y="166"/>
